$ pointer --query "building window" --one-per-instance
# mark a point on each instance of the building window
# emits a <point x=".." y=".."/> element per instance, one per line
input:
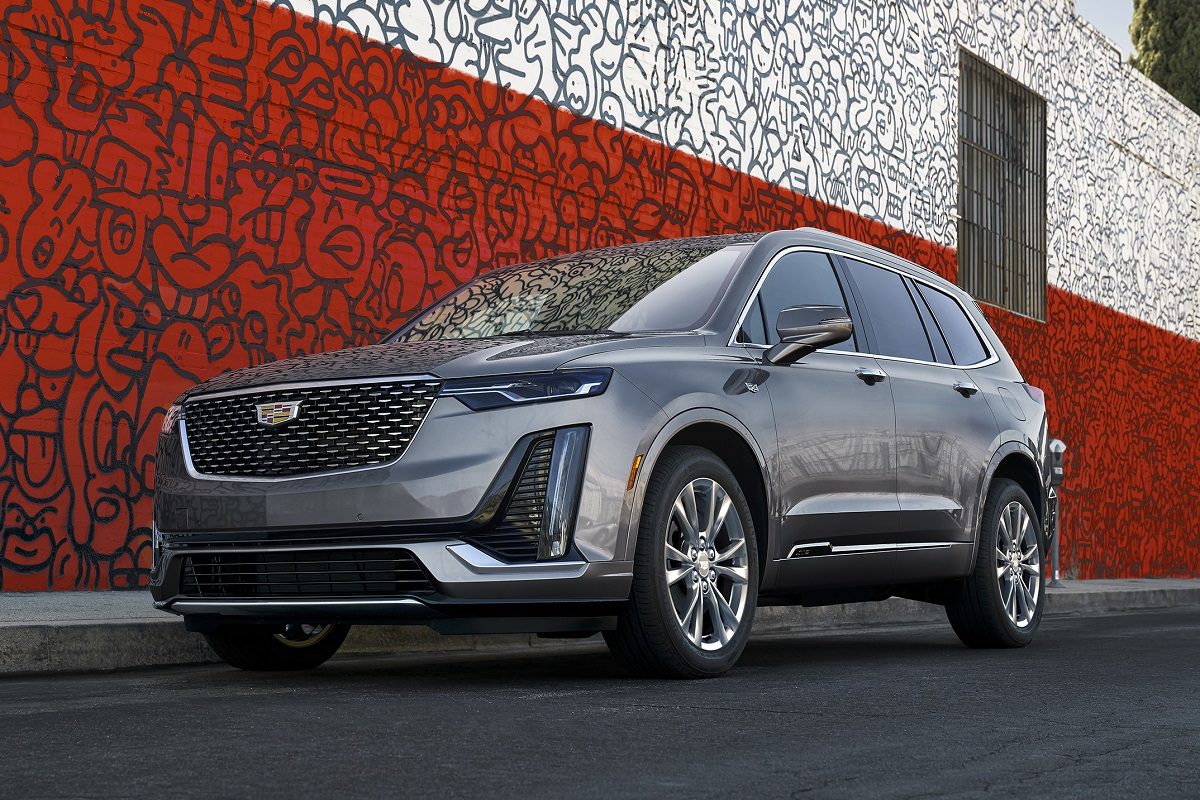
<point x="1001" y="189"/>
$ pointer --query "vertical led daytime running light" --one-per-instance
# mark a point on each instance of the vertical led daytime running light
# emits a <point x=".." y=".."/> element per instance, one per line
<point x="562" y="495"/>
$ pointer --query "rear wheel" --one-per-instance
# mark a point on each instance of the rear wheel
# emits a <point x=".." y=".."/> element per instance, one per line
<point x="1000" y="604"/>
<point x="695" y="579"/>
<point x="293" y="646"/>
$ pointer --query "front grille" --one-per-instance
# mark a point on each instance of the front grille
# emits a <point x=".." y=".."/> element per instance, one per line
<point x="304" y="573"/>
<point x="515" y="537"/>
<point x="337" y="427"/>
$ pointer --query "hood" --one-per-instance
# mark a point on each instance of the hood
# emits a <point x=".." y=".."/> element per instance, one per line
<point x="444" y="358"/>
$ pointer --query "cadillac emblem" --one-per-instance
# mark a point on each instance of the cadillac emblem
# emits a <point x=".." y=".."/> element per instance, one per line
<point x="278" y="413"/>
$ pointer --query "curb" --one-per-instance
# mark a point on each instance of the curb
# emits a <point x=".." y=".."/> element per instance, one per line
<point x="92" y="645"/>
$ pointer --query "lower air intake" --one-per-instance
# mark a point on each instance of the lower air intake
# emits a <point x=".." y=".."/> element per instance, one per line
<point x="326" y="573"/>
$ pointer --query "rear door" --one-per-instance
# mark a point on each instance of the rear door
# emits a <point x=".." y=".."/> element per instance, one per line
<point x="944" y="427"/>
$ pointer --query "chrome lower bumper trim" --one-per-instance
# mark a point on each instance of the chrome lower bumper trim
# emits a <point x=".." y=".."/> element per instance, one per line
<point x="189" y="606"/>
<point x="482" y="563"/>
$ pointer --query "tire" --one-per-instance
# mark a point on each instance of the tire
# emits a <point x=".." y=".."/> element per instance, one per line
<point x="988" y="609"/>
<point x="277" y="648"/>
<point x="650" y="638"/>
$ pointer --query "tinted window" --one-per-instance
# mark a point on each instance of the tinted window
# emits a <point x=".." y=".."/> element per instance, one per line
<point x="897" y="325"/>
<point x="941" y="352"/>
<point x="960" y="335"/>
<point x="754" y="330"/>
<point x="797" y="279"/>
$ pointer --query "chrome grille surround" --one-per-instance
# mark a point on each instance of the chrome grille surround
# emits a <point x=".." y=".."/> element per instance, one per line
<point x="342" y="426"/>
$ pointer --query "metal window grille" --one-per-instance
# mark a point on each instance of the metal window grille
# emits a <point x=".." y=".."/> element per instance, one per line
<point x="1001" y="189"/>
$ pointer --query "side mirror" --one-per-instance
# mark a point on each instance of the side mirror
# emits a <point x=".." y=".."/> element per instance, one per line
<point x="803" y="329"/>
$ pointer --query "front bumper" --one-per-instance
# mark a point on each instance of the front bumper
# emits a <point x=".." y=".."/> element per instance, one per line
<point x="472" y="592"/>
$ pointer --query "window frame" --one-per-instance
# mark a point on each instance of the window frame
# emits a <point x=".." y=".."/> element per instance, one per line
<point x="755" y="303"/>
<point x="857" y="314"/>
<point x="1017" y="279"/>
<point x="927" y="307"/>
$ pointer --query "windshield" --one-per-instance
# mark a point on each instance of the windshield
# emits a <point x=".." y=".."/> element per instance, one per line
<point x="637" y="288"/>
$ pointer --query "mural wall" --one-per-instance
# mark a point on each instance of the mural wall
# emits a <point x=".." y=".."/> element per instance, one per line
<point x="189" y="188"/>
<point x="855" y="102"/>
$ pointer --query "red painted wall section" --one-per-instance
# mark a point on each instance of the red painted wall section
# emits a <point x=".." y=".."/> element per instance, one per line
<point x="1120" y="394"/>
<point x="189" y="188"/>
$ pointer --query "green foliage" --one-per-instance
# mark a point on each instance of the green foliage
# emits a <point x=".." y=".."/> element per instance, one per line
<point x="1166" y="38"/>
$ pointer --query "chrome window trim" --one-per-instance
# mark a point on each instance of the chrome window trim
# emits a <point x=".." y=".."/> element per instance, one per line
<point x="991" y="359"/>
<point x="283" y="387"/>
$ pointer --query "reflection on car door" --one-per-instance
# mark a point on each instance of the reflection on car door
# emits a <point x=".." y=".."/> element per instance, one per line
<point x="835" y="463"/>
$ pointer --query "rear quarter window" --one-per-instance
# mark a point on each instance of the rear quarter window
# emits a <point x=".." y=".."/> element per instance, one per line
<point x="960" y="335"/>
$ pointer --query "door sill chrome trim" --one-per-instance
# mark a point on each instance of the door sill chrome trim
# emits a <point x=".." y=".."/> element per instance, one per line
<point x="798" y="551"/>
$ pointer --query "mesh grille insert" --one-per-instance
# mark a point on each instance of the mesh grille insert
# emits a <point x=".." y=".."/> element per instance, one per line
<point x="337" y="427"/>
<point x="304" y="573"/>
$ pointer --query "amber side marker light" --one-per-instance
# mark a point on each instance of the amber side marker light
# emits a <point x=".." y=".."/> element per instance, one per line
<point x="633" y="471"/>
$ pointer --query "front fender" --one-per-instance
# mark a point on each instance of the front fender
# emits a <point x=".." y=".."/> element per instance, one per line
<point x="653" y="447"/>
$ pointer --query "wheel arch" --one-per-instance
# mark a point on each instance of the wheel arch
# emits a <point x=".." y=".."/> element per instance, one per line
<point x="1017" y="463"/>
<point x="730" y="441"/>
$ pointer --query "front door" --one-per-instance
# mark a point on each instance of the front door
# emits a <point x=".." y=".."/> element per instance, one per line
<point x="835" y="468"/>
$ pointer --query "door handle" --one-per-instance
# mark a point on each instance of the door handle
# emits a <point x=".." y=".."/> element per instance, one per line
<point x="966" y="389"/>
<point x="870" y="376"/>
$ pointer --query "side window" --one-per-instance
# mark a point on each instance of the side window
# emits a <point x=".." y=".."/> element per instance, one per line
<point x="797" y="279"/>
<point x="961" y="336"/>
<point x="894" y="317"/>
<point x="754" y="330"/>
<point x="941" y="352"/>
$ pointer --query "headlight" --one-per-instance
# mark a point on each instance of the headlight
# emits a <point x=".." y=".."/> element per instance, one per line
<point x="171" y="417"/>
<point x="480" y="394"/>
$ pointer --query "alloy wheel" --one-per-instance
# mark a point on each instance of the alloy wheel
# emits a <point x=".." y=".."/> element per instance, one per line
<point x="302" y="635"/>
<point x="707" y="565"/>
<point x="1018" y="564"/>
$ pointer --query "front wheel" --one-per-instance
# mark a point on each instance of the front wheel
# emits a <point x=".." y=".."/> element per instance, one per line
<point x="277" y="648"/>
<point x="1000" y="603"/>
<point x="695" y="577"/>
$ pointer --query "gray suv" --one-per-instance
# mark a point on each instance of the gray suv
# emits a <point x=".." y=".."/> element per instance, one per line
<point x="648" y="441"/>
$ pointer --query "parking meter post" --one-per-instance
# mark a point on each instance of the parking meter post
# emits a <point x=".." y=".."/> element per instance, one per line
<point x="1057" y="449"/>
<point x="1056" y="575"/>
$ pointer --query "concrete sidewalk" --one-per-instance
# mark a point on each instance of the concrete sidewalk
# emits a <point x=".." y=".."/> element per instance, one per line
<point x="88" y="631"/>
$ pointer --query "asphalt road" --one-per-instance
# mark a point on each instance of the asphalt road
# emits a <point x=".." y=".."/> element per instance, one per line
<point x="1097" y="707"/>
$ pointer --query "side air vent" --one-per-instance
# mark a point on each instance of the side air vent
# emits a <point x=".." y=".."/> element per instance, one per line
<point x="516" y="536"/>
